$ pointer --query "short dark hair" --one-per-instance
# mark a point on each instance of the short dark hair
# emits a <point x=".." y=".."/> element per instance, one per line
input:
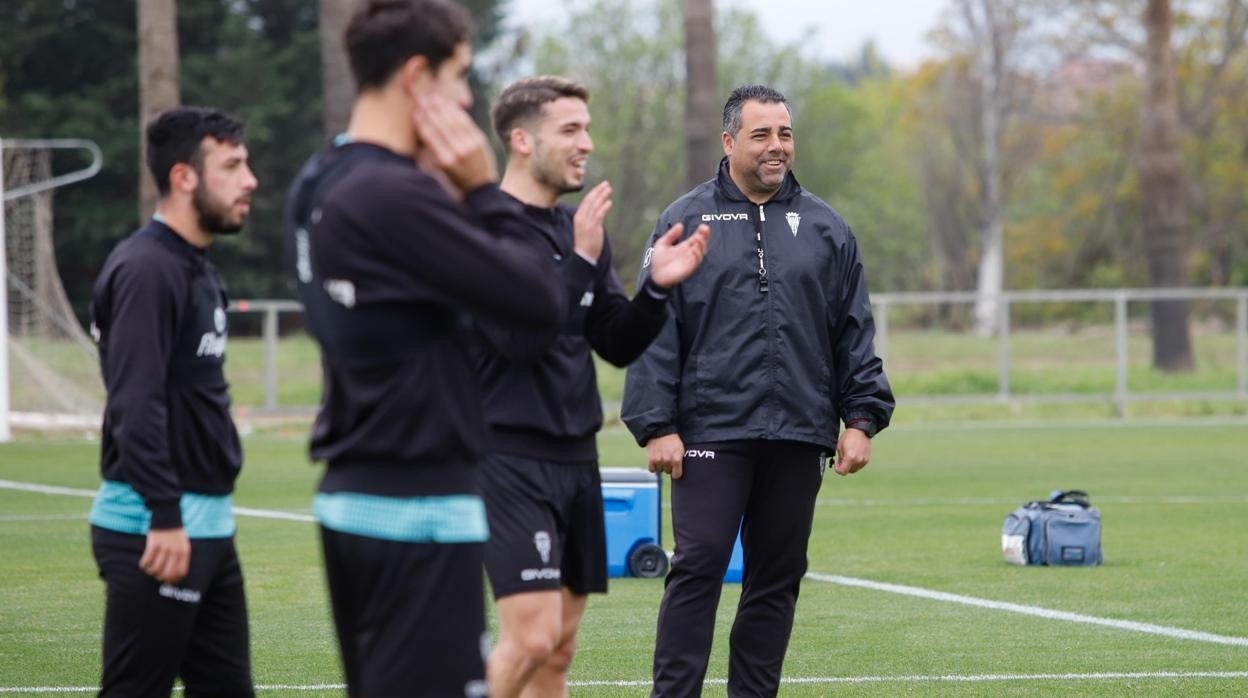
<point x="522" y="101"/>
<point x="384" y="34"/>
<point x="176" y="136"/>
<point x="741" y="95"/>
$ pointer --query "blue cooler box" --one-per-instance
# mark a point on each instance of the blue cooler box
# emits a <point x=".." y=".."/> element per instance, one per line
<point x="631" y="505"/>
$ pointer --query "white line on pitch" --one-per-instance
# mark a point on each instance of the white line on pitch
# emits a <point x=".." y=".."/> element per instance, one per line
<point x="932" y="678"/>
<point x="1178" y="633"/>
<point x="75" y="492"/>
<point x="963" y="678"/>
<point x="19" y="518"/>
<point x="961" y="501"/>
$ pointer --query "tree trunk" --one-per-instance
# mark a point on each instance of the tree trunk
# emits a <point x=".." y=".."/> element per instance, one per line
<point x="1161" y="188"/>
<point x="158" y="81"/>
<point x="338" y="86"/>
<point x="701" y="141"/>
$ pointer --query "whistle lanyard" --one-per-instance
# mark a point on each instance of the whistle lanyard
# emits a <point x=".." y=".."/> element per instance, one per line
<point x="758" y="236"/>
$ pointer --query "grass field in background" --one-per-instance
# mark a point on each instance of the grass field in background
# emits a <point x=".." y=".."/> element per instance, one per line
<point x="926" y="513"/>
<point x="918" y="363"/>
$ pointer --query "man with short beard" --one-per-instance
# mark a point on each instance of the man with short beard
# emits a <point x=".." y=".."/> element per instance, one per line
<point x="162" y="526"/>
<point x="739" y="398"/>
<point x="540" y="482"/>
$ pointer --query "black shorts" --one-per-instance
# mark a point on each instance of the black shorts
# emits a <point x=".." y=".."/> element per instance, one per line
<point x="154" y="632"/>
<point x="410" y="617"/>
<point x="546" y="525"/>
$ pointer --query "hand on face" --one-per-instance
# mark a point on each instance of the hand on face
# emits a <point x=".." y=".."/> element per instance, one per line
<point x="455" y="144"/>
<point x="672" y="263"/>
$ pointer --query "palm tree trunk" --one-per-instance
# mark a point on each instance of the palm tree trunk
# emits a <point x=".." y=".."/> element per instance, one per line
<point x="338" y="86"/>
<point x="158" y="81"/>
<point x="1161" y="187"/>
<point x="701" y="152"/>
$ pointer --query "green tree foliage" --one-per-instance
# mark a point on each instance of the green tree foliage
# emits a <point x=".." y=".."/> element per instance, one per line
<point x="629" y="55"/>
<point x="71" y="72"/>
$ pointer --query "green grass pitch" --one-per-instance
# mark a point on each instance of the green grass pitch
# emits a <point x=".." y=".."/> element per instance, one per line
<point x="926" y="513"/>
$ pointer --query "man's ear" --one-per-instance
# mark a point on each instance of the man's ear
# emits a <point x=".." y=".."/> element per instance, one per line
<point x="727" y="140"/>
<point x="183" y="178"/>
<point x="521" y="141"/>
<point x="416" y="75"/>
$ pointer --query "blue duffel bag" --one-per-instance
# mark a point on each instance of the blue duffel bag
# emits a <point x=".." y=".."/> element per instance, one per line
<point x="1065" y="530"/>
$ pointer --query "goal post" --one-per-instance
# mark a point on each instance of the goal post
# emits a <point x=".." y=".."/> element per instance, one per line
<point x="25" y="172"/>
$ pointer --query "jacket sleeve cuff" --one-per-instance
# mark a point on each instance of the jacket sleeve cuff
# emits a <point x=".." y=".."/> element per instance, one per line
<point x="166" y="513"/>
<point x="651" y="298"/>
<point x="862" y="422"/>
<point x="580" y="274"/>
<point x="657" y="432"/>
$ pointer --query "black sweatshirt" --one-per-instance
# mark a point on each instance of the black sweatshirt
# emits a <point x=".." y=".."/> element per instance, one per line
<point x="392" y="271"/>
<point x="541" y="392"/>
<point x="158" y="315"/>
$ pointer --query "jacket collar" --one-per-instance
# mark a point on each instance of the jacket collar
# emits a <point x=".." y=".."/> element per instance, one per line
<point x="789" y="188"/>
<point x="168" y="237"/>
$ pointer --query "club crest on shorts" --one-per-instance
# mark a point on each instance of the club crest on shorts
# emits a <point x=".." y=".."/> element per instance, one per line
<point x="794" y="219"/>
<point x="541" y="541"/>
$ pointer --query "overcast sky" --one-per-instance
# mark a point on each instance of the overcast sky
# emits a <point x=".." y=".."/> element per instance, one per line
<point x="897" y="26"/>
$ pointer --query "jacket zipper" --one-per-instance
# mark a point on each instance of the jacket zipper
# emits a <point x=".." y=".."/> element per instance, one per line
<point x="758" y="235"/>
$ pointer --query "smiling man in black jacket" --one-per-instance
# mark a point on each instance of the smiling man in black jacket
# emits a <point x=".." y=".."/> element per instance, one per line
<point x="541" y="485"/>
<point x="769" y="346"/>
<point x="162" y="525"/>
<point x="398" y="234"/>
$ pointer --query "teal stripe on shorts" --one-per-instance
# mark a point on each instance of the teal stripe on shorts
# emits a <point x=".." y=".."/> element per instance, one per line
<point x="118" y="507"/>
<point x="443" y="519"/>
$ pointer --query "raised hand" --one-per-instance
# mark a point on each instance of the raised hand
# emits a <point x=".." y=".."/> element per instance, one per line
<point x="672" y="263"/>
<point x="458" y="148"/>
<point x="587" y="223"/>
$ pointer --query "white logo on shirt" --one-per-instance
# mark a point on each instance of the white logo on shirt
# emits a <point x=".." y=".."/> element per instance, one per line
<point x="303" y="256"/>
<point x="587" y="299"/>
<point x="708" y="217"/>
<point x="646" y="262"/>
<point x="794" y="219"/>
<point x="695" y="453"/>
<point x="213" y="343"/>
<point x="342" y="291"/>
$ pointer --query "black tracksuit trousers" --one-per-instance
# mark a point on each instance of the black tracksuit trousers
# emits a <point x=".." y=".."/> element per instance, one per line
<point x="769" y="488"/>
<point x="195" y="629"/>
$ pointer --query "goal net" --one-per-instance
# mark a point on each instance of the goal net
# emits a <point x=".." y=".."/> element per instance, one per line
<point x="53" y="370"/>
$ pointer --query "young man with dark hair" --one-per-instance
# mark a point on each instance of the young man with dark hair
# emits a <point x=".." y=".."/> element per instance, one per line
<point x="399" y="244"/>
<point x="162" y="526"/>
<point x="543" y="494"/>
<point x="739" y="398"/>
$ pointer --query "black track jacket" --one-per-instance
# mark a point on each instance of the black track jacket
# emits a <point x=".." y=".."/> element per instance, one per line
<point x="391" y="270"/>
<point x="737" y="362"/>
<point x="158" y="316"/>
<point x="541" y="392"/>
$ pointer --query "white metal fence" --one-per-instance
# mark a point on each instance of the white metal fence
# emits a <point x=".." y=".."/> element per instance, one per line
<point x="889" y="310"/>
